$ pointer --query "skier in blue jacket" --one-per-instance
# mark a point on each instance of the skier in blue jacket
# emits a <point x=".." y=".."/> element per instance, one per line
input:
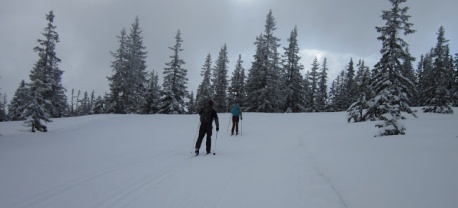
<point x="236" y="115"/>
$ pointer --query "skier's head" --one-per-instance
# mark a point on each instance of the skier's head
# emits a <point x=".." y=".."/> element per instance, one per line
<point x="210" y="102"/>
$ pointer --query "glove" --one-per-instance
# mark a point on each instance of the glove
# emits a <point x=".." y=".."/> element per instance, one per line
<point x="217" y="128"/>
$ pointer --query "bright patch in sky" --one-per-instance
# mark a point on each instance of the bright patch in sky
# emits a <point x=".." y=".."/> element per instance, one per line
<point x="245" y="1"/>
<point x="336" y="62"/>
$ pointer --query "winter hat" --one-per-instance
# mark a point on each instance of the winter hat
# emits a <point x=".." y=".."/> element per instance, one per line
<point x="210" y="102"/>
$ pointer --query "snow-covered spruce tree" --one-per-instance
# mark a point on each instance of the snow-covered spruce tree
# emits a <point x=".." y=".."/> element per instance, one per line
<point x="205" y="91"/>
<point x="220" y="82"/>
<point x="356" y="111"/>
<point x="256" y="81"/>
<point x="322" y="93"/>
<point x="392" y="89"/>
<point x="117" y="99"/>
<point x="294" y="84"/>
<point x="191" y="104"/>
<point x="455" y="82"/>
<point x="137" y="83"/>
<point x="84" y="105"/>
<point x="416" y="100"/>
<point x="441" y="79"/>
<point x="128" y="82"/>
<point x="46" y="48"/>
<point x="350" y="91"/>
<point x="307" y="91"/>
<point x="174" y="86"/>
<point x="265" y="91"/>
<point x="106" y="103"/>
<point x="313" y="80"/>
<point x="236" y="90"/>
<point x="49" y="63"/>
<point x="3" y="115"/>
<point x="99" y="105"/>
<point x="46" y="97"/>
<point x="424" y="73"/>
<point x="337" y="93"/>
<point x="153" y="95"/>
<point x="407" y="70"/>
<point x="18" y="103"/>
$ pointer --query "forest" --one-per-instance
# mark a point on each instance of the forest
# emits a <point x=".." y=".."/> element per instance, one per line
<point x="276" y="82"/>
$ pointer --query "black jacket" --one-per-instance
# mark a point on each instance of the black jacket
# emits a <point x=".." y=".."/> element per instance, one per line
<point x="213" y="114"/>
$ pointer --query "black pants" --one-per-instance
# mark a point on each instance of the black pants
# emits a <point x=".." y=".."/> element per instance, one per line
<point x="235" y="124"/>
<point x="205" y="129"/>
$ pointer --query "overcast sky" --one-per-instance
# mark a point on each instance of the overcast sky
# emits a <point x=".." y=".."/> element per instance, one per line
<point x="336" y="29"/>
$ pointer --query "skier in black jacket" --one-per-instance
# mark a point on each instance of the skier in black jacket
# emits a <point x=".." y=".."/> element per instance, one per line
<point x="207" y="115"/>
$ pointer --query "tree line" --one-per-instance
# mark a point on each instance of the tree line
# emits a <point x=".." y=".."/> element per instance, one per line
<point x="274" y="83"/>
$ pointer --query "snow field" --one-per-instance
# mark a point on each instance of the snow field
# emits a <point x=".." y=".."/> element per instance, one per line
<point x="282" y="160"/>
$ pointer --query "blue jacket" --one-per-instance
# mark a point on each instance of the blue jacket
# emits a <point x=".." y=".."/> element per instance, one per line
<point x="236" y="111"/>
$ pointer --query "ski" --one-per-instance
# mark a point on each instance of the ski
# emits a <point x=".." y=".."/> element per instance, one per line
<point x="194" y="155"/>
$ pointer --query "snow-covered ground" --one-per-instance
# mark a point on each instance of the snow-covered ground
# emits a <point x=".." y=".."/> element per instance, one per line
<point x="281" y="160"/>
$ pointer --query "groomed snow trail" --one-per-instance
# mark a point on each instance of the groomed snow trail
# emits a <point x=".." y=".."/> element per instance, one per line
<point x="144" y="161"/>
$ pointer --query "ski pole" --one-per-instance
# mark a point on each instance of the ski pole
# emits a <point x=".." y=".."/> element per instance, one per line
<point x="241" y="127"/>
<point x="228" y="124"/>
<point x="195" y="140"/>
<point x="216" y="139"/>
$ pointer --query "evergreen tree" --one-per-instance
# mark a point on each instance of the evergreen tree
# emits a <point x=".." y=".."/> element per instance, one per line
<point x="295" y="101"/>
<point x="441" y="78"/>
<point x="153" y="95"/>
<point x="175" y="81"/>
<point x="313" y="80"/>
<point x="322" y="93"/>
<point x="3" y="115"/>
<point x="455" y="81"/>
<point x="392" y="89"/>
<point x="192" y="104"/>
<point x="220" y="83"/>
<point x="257" y="79"/>
<point x="237" y="93"/>
<point x="350" y="85"/>
<point x="46" y="94"/>
<point x="307" y="92"/>
<point x="50" y="63"/>
<point x="418" y="78"/>
<point x="118" y="95"/>
<point x="204" y="91"/>
<point x="18" y="103"/>
<point x="356" y="111"/>
<point x="264" y="84"/>
<point x="332" y="96"/>
<point x="407" y="70"/>
<point x="425" y="79"/>
<point x="99" y="105"/>
<point x="107" y="105"/>
<point x="72" y="104"/>
<point x="137" y="68"/>
<point x="337" y="93"/>
<point x="84" y="105"/>
<point x="128" y="83"/>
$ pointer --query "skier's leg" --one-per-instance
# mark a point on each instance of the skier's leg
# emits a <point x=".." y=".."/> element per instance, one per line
<point x="236" y="125"/>
<point x="199" y="139"/>
<point x="209" y="139"/>
<point x="233" y="125"/>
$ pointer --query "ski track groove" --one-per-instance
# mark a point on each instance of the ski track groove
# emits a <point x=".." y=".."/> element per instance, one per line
<point x="127" y="193"/>
<point x="331" y="185"/>
<point x="326" y="179"/>
<point x="63" y="188"/>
